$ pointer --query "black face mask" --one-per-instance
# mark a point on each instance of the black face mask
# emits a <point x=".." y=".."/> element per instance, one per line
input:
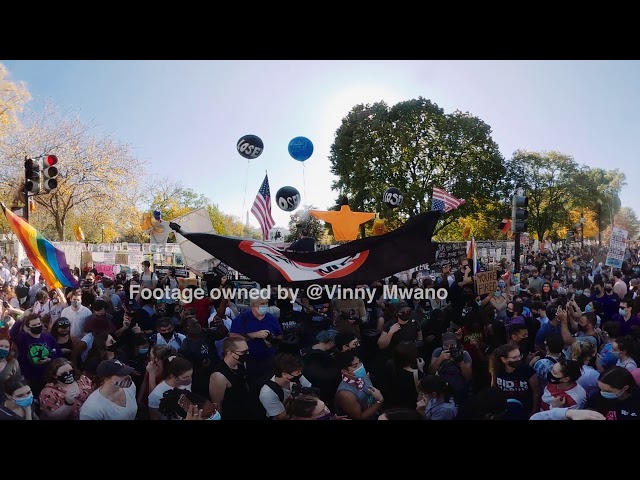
<point x="113" y="347"/>
<point x="167" y="335"/>
<point x="510" y="314"/>
<point x="295" y="378"/>
<point x="608" y="290"/>
<point x="67" y="378"/>
<point x="36" y="330"/>
<point x="582" y="328"/>
<point x="404" y="316"/>
<point x="551" y="379"/>
<point x="514" y="363"/>
<point x="241" y="358"/>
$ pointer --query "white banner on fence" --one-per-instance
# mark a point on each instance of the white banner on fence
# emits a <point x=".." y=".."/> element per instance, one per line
<point x="617" y="247"/>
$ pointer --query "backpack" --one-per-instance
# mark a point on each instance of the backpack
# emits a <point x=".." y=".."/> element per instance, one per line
<point x="276" y="388"/>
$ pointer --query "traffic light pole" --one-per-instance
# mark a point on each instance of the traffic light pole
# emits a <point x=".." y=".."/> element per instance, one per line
<point x="517" y="252"/>
<point x="27" y="199"/>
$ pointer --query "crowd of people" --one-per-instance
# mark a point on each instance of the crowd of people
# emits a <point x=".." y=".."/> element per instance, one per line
<point x="558" y="339"/>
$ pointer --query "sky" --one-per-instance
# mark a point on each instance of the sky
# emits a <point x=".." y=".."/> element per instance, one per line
<point x="185" y="117"/>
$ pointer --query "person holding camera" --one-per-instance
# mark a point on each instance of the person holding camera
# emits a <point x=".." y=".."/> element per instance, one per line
<point x="288" y="381"/>
<point x="556" y="315"/>
<point x="453" y="365"/>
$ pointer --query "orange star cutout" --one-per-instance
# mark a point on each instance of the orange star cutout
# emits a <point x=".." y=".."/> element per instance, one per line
<point x="344" y="222"/>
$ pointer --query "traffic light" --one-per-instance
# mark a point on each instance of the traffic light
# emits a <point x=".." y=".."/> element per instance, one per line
<point x="519" y="214"/>
<point x="32" y="176"/>
<point x="49" y="173"/>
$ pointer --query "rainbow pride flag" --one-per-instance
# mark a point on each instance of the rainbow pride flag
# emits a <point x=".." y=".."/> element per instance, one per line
<point x="46" y="259"/>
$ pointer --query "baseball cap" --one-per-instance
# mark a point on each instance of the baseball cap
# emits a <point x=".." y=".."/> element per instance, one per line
<point x="449" y="337"/>
<point x="109" y="368"/>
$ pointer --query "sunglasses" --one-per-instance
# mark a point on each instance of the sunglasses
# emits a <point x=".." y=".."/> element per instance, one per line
<point x="64" y="324"/>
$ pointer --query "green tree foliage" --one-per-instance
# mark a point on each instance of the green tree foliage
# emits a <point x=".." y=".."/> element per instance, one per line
<point x="302" y="219"/>
<point x="415" y="146"/>
<point x="555" y="184"/>
<point x="627" y="219"/>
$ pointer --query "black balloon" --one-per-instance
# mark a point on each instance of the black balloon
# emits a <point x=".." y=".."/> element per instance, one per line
<point x="250" y="146"/>
<point x="288" y="199"/>
<point x="392" y="198"/>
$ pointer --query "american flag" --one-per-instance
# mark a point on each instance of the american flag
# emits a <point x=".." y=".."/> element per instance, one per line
<point x="442" y="200"/>
<point x="262" y="208"/>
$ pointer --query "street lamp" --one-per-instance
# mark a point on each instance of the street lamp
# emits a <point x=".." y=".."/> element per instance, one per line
<point x="102" y="233"/>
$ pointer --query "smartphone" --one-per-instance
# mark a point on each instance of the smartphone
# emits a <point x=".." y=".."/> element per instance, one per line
<point x="184" y="403"/>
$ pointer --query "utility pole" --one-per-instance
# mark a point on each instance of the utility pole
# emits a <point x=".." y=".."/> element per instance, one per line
<point x="581" y="230"/>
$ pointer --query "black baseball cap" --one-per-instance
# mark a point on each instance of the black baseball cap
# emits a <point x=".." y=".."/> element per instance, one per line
<point x="109" y="368"/>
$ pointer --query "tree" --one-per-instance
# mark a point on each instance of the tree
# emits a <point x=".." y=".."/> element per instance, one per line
<point x="415" y="146"/>
<point x="303" y="220"/>
<point x="230" y="225"/>
<point x="627" y="219"/>
<point x="13" y="97"/>
<point x="174" y="200"/>
<point x="603" y="185"/>
<point x="96" y="171"/>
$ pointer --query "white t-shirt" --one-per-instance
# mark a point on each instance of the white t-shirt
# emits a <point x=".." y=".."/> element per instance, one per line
<point x="77" y="319"/>
<point x="270" y="400"/>
<point x="629" y="364"/>
<point x="148" y="279"/>
<point x="98" y="407"/>
<point x="55" y="311"/>
<point x="159" y="391"/>
<point x="589" y="379"/>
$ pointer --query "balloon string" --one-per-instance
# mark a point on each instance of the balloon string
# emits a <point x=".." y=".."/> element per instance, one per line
<point x="244" y="200"/>
<point x="304" y="184"/>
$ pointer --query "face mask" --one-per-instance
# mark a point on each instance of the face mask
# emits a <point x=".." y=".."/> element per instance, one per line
<point x="621" y="311"/>
<point x="36" y="330"/>
<point x="167" y="335"/>
<point x="4" y="353"/>
<point x="404" y="315"/>
<point x="295" y="378"/>
<point x="125" y="383"/>
<point x="75" y="303"/>
<point x="326" y="416"/>
<point x="578" y="292"/>
<point x="608" y="290"/>
<point x="183" y="383"/>
<point x="501" y="284"/>
<point x="215" y="416"/>
<point x="513" y="363"/>
<point x="241" y="358"/>
<point x="510" y="314"/>
<point x="496" y="293"/>
<point x="615" y="354"/>
<point x="66" y="377"/>
<point x="24" y="402"/>
<point x="611" y="396"/>
<point x="360" y="372"/>
<point x="143" y="351"/>
<point x="113" y="347"/>
<point x="552" y="379"/>
<point x="55" y="301"/>
<point x="479" y="302"/>
<point x="587" y="309"/>
<point x="263" y="309"/>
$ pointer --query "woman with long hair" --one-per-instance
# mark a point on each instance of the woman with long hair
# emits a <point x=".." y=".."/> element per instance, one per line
<point x="64" y="392"/>
<point x="9" y="365"/>
<point x="402" y="374"/>
<point x="104" y="348"/>
<point x="583" y="353"/>
<point x="156" y="372"/>
<point x="619" y="397"/>
<point x="180" y="376"/>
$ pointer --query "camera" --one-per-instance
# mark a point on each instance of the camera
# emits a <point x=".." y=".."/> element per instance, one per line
<point x="273" y="340"/>
<point x="456" y="355"/>
<point x="298" y="389"/>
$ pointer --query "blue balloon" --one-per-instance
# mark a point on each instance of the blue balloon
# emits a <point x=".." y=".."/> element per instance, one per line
<point x="300" y="148"/>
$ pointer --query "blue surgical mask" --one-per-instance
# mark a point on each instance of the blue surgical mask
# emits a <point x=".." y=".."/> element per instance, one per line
<point x="578" y="292"/>
<point x="501" y="284"/>
<point x="609" y="395"/>
<point x="215" y="416"/>
<point x="587" y="309"/>
<point x="4" y="353"/>
<point x="360" y="372"/>
<point x="479" y="303"/>
<point x="496" y="294"/>
<point x="143" y="351"/>
<point x="621" y="311"/>
<point x="263" y="309"/>
<point x="24" y="402"/>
